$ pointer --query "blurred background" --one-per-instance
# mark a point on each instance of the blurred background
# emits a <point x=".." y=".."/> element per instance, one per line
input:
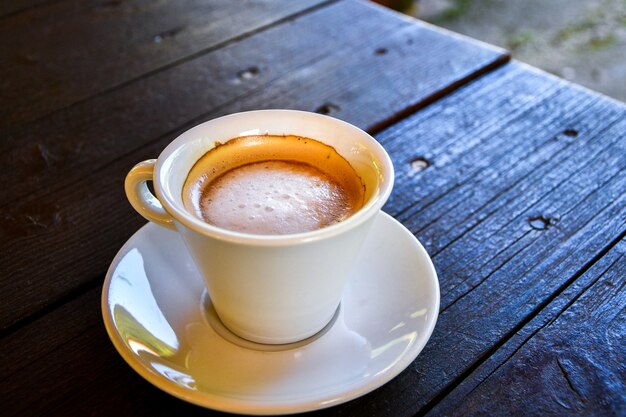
<point x="583" y="41"/>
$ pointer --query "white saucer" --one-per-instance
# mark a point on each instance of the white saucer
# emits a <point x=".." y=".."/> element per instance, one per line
<point x="154" y="312"/>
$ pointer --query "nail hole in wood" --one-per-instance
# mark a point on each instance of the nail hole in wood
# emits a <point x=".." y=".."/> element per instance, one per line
<point x="381" y="51"/>
<point x="327" y="108"/>
<point x="419" y="164"/>
<point x="542" y="222"/>
<point x="248" y="73"/>
<point x="168" y="34"/>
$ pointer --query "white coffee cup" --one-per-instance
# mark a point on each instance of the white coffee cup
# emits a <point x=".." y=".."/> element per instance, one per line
<point x="266" y="288"/>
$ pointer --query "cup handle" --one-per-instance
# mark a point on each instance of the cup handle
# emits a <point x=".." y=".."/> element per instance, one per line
<point x="142" y="199"/>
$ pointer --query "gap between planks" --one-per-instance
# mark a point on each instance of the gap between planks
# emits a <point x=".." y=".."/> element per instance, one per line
<point x="509" y="335"/>
<point x="521" y="215"/>
<point x="544" y="319"/>
<point x="181" y="60"/>
<point x="95" y="281"/>
<point x="465" y="77"/>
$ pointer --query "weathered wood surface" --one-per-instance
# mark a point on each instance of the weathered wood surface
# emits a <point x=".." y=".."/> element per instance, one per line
<point x="527" y="210"/>
<point x="512" y="209"/>
<point x="570" y="360"/>
<point x="71" y="163"/>
<point x="522" y="207"/>
<point x="515" y="183"/>
<point x="65" y="51"/>
<point x="10" y="7"/>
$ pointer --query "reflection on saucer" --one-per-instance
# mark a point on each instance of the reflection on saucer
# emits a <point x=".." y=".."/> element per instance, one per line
<point x="153" y="309"/>
<point x="144" y="326"/>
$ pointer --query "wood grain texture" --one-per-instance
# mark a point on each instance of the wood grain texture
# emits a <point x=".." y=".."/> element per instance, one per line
<point x="70" y="50"/>
<point x="63" y="351"/>
<point x="68" y="366"/>
<point x="545" y="205"/>
<point x="361" y="87"/>
<point x="504" y="265"/>
<point x="517" y="176"/>
<point x="50" y="333"/>
<point x="10" y="7"/>
<point x="68" y="182"/>
<point x="573" y="364"/>
<point x="516" y="260"/>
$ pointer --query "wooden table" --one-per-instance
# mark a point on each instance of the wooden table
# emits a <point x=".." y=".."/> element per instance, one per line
<point x="513" y="180"/>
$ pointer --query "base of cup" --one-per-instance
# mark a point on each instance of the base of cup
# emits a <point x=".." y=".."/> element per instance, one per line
<point x="222" y="329"/>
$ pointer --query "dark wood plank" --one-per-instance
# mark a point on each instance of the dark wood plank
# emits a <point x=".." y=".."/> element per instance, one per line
<point x="51" y="333"/>
<point x="66" y="349"/>
<point x="521" y="269"/>
<point x="468" y="330"/>
<point x="69" y="145"/>
<point x="70" y="50"/>
<point x="10" y="7"/>
<point x="484" y="185"/>
<point x="463" y="135"/>
<point x="69" y="367"/>
<point x="541" y="199"/>
<point x="516" y="268"/>
<point x="572" y="364"/>
<point x="71" y="164"/>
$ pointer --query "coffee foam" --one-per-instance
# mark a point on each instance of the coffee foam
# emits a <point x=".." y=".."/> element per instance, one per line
<point x="273" y="185"/>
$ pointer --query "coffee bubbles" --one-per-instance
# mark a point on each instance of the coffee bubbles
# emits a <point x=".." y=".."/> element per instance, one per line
<point x="273" y="185"/>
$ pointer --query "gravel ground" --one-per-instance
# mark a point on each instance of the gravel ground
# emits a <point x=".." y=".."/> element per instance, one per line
<point x="583" y="41"/>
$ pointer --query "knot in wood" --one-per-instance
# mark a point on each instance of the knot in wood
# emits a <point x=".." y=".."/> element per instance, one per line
<point x="542" y="222"/>
<point x="168" y="34"/>
<point x="568" y="135"/>
<point x="419" y="164"/>
<point x="327" y="108"/>
<point x="248" y="73"/>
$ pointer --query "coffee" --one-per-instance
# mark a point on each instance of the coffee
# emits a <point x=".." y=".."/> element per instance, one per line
<point x="273" y="185"/>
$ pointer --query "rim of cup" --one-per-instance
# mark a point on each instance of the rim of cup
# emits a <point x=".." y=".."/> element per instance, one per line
<point x="182" y="215"/>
